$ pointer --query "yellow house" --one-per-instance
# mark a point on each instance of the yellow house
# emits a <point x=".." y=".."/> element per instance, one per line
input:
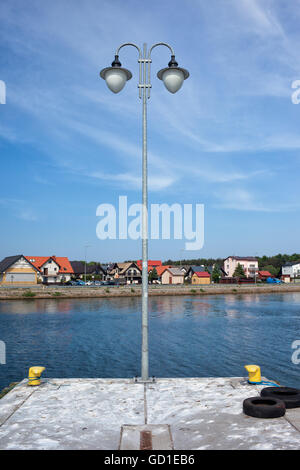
<point x="17" y="270"/>
<point x="201" y="278"/>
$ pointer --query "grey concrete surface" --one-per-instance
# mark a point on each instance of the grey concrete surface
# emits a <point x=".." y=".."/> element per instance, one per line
<point x="201" y="413"/>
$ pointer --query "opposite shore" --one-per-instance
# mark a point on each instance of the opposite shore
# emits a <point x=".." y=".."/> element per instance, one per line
<point x="43" y="292"/>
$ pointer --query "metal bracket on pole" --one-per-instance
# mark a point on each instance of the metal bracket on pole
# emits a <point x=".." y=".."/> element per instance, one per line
<point x="139" y="380"/>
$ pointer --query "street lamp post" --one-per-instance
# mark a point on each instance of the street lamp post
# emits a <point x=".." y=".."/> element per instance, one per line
<point x="85" y="250"/>
<point x="173" y="78"/>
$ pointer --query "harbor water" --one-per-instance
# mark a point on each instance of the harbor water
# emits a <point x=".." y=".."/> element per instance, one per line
<point x="189" y="336"/>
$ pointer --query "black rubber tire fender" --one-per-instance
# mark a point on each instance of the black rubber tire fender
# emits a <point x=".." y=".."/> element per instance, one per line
<point x="264" y="407"/>
<point x="290" y="396"/>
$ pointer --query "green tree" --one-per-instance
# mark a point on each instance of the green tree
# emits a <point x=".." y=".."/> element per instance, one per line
<point x="216" y="274"/>
<point x="153" y="276"/>
<point x="239" y="271"/>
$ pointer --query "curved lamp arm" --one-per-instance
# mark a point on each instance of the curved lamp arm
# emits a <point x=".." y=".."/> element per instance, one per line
<point x="140" y="59"/>
<point x="129" y="44"/>
<point x="161" y="44"/>
<point x="149" y="59"/>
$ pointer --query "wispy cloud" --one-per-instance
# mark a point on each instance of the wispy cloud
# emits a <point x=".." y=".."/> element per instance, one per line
<point x="19" y="209"/>
<point x="243" y="200"/>
<point x="260" y="17"/>
<point x="132" y="181"/>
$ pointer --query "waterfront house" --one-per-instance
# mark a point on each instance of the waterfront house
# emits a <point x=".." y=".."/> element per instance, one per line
<point x="172" y="276"/>
<point x="201" y="277"/>
<point x="200" y="269"/>
<point x="248" y="263"/>
<point x="159" y="270"/>
<point x="125" y="273"/>
<point x="52" y="269"/>
<point x="95" y="270"/>
<point x="17" y="270"/>
<point x="292" y="269"/>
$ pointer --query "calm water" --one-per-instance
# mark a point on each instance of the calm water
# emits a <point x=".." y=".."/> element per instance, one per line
<point x="189" y="336"/>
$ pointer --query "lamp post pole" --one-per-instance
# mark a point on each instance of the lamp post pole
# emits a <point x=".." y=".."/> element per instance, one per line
<point x="145" y="316"/>
<point x="116" y="77"/>
<point x="85" y="250"/>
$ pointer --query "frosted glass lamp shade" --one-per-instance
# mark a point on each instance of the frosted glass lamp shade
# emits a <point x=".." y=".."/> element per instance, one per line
<point x="173" y="79"/>
<point x="115" y="78"/>
<point x="173" y="76"/>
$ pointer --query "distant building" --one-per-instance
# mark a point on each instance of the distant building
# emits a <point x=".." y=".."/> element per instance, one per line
<point x="160" y="270"/>
<point x="52" y="269"/>
<point x="17" y="270"/>
<point x="200" y="269"/>
<point x="95" y="269"/>
<point x="292" y="269"/>
<point x="125" y="273"/>
<point x="248" y="263"/>
<point x="202" y="277"/>
<point x="27" y="270"/>
<point x="172" y="276"/>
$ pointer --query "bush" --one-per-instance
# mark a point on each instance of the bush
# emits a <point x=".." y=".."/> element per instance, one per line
<point x="193" y="291"/>
<point x="29" y="294"/>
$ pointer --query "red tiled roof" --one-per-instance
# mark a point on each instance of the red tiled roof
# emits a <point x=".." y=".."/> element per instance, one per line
<point x="63" y="262"/>
<point x="264" y="273"/>
<point x="202" y="274"/>
<point x="160" y="269"/>
<point x="151" y="263"/>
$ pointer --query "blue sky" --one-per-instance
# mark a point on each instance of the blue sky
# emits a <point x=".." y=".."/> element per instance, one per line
<point x="228" y="139"/>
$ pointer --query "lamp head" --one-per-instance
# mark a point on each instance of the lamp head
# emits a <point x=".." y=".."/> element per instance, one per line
<point x="173" y="76"/>
<point x="115" y="76"/>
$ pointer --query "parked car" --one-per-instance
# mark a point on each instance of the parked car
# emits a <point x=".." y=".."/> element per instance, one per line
<point x="89" y="283"/>
<point x="272" y="280"/>
<point x="80" y="283"/>
<point x="70" y="283"/>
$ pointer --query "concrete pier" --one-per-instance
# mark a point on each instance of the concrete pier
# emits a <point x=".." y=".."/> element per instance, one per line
<point x="111" y="414"/>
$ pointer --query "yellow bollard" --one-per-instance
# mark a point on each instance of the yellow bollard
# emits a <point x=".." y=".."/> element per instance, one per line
<point x="34" y="375"/>
<point x="254" y="373"/>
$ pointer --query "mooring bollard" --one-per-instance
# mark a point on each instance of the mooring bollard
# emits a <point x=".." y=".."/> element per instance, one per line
<point x="34" y="375"/>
